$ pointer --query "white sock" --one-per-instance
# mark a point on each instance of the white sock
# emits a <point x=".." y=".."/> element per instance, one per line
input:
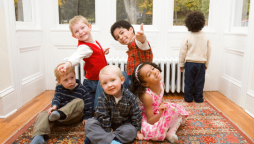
<point x="183" y="120"/>
<point x="171" y="134"/>
<point x="55" y="115"/>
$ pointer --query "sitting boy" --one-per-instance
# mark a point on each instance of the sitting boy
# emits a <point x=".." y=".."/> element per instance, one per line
<point x="139" y="49"/>
<point x="118" y="116"/>
<point x="70" y="105"/>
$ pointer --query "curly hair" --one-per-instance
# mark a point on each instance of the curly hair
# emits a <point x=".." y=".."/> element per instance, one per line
<point x="195" y="21"/>
<point x="120" y="24"/>
<point x="136" y="86"/>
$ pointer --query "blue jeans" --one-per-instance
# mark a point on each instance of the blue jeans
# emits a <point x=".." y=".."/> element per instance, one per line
<point x="91" y="86"/>
<point x="194" y="81"/>
<point x="99" y="89"/>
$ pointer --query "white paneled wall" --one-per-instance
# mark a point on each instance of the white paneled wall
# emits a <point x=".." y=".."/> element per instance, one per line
<point x="37" y="48"/>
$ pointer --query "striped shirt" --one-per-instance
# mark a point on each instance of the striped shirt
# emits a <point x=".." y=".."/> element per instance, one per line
<point x="63" y="96"/>
<point x="112" y="115"/>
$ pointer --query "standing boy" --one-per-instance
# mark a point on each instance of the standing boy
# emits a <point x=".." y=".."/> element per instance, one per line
<point x="88" y="50"/>
<point x="70" y="105"/>
<point x="194" y="57"/>
<point x="118" y="116"/>
<point x="139" y="49"/>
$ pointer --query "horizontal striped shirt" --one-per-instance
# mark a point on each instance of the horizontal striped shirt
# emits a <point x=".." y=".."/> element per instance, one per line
<point x="112" y="114"/>
<point x="63" y="96"/>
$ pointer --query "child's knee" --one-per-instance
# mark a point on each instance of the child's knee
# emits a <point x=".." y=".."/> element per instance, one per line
<point x="91" y="122"/>
<point x="79" y="102"/>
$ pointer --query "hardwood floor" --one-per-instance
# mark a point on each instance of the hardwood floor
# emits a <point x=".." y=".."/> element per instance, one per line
<point x="10" y="125"/>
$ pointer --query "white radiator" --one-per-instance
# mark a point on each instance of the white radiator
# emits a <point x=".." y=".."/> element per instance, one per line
<point x="171" y="74"/>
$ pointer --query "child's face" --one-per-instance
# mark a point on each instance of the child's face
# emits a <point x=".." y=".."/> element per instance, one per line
<point x="68" y="81"/>
<point x="111" y="83"/>
<point x="81" y="31"/>
<point x="150" y="74"/>
<point x="124" y="36"/>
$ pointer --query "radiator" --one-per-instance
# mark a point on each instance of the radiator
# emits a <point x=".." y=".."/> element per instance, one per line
<point x="171" y="74"/>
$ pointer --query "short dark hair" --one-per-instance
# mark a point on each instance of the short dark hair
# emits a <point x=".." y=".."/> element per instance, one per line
<point x="120" y="24"/>
<point x="195" y="21"/>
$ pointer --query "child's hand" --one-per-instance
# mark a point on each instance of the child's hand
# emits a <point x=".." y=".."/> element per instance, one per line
<point x="106" y="51"/>
<point x="162" y="107"/>
<point x="140" y="36"/>
<point x="139" y="136"/>
<point x="51" y="109"/>
<point x="84" y="122"/>
<point x="181" y="69"/>
<point x="64" y="67"/>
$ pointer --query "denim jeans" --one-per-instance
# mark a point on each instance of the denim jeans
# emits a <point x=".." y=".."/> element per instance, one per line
<point x="91" y="85"/>
<point x="194" y="81"/>
<point x="99" y="89"/>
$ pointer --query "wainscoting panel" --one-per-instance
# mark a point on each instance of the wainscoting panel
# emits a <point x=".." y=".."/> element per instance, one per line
<point x="7" y="102"/>
<point x="231" y="89"/>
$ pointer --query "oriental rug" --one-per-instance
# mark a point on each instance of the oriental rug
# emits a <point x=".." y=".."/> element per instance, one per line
<point x="204" y="125"/>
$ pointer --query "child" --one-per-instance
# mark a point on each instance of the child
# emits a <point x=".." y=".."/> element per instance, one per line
<point x="160" y="119"/>
<point x="88" y="50"/>
<point x="139" y="49"/>
<point x="118" y="117"/>
<point x="194" y="57"/>
<point x="70" y="105"/>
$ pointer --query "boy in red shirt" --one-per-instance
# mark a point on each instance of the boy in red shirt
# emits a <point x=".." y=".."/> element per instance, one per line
<point x="88" y="50"/>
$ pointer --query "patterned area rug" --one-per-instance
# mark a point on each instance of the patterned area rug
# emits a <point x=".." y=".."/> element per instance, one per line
<point x="204" y="125"/>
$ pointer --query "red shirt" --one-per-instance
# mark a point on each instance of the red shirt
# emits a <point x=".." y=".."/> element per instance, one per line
<point x="95" y="62"/>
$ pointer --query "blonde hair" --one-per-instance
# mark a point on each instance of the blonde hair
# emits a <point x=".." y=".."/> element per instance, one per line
<point x="77" y="19"/>
<point x="111" y="68"/>
<point x="59" y="74"/>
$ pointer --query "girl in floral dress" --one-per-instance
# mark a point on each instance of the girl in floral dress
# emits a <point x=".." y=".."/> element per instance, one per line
<point x="160" y="119"/>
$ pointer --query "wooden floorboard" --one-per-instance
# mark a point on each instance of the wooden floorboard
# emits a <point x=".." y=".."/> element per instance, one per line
<point x="10" y="125"/>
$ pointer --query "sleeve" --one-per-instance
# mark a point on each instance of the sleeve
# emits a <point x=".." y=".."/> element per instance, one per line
<point x="136" y="113"/>
<point x="144" y="46"/>
<point x="208" y="53"/>
<point x="57" y="98"/>
<point x="103" y="114"/>
<point x="88" y="102"/>
<point x="182" y="52"/>
<point x="83" y="51"/>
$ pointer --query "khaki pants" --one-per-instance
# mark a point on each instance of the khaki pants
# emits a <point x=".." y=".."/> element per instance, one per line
<point x="73" y="111"/>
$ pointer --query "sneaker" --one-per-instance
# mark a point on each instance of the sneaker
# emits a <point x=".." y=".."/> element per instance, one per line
<point x="115" y="142"/>
<point x="87" y="141"/>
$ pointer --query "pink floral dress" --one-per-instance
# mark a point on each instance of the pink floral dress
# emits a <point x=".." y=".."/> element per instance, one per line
<point x="158" y="130"/>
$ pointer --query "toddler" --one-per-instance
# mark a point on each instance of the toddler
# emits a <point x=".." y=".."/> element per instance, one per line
<point x="70" y="105"/>
<point x="118" y="116"/>
<point x="194" y="57"/>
